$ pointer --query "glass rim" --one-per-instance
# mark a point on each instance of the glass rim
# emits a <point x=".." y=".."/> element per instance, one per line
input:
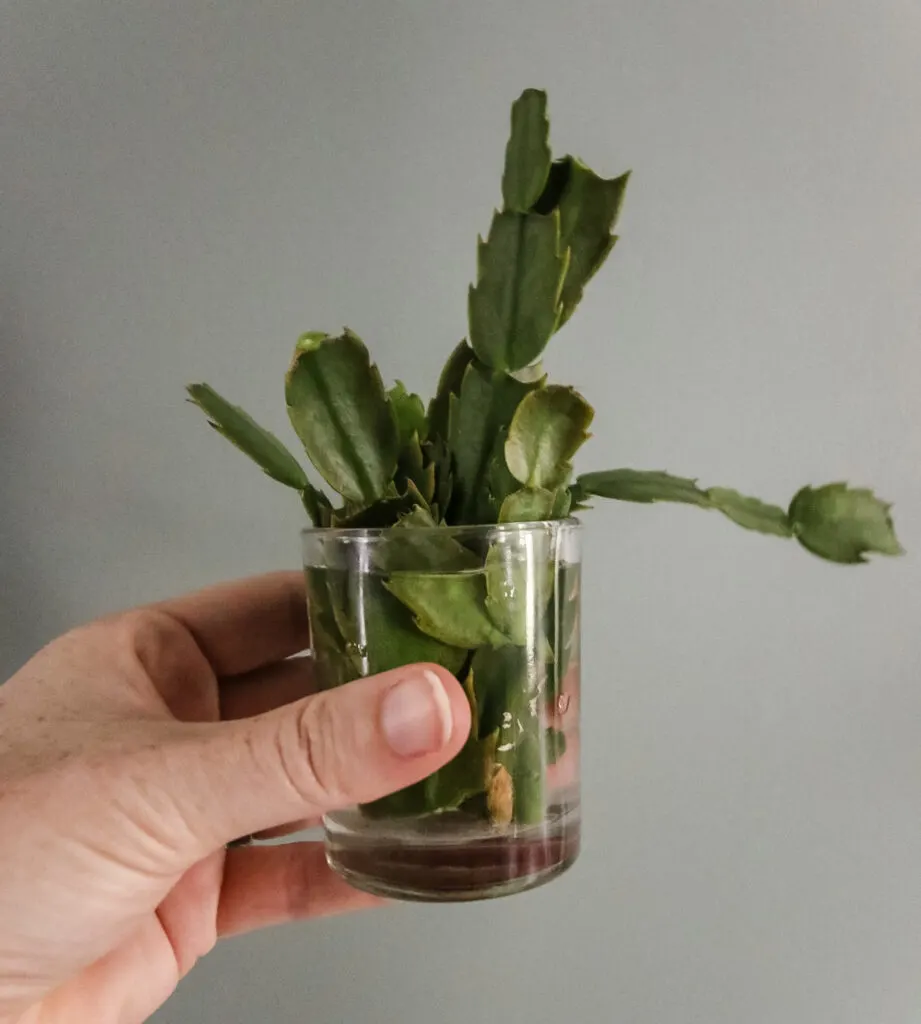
<point x="370" y="533"/>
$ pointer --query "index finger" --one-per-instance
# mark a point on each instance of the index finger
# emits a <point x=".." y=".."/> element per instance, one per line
<point x="245" y="624"/>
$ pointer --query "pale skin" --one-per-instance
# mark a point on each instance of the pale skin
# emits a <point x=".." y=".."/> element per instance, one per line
<point x="133" y="749"/>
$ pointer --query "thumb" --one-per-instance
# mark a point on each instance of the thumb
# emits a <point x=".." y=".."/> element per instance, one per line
<point x="351" y="744"/>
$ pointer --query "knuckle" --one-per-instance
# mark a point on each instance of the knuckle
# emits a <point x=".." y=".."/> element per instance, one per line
<point x="160" y="642"/>
<point x="315" y="763"/>
<point x="148" y="628"/>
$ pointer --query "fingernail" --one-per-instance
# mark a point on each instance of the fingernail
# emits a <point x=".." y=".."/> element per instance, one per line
<point x="416" y="715"/>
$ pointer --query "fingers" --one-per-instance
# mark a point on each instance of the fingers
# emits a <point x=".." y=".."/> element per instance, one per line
<point x="245" y="624"/>
<point x="565" y="772"/>
<point x="349" y="745"/>
<point x="266" y="688"/>
<point x="188" y="912"/>
<point x="269" y="885"/>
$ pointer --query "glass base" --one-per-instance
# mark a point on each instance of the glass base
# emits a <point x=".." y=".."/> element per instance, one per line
<point x="447" y="859"/>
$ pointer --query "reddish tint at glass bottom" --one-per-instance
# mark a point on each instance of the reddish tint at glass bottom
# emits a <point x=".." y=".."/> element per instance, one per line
<point x="449" y="866"/>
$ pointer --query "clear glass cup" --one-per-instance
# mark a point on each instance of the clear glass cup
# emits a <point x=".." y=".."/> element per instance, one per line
<point x="498" y="606"/>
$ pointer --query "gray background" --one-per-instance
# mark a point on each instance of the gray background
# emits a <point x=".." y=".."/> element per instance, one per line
<point x="187" y="186"/>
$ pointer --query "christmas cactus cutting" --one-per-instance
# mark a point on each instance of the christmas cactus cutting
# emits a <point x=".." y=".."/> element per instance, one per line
<point x="444" y="532"/>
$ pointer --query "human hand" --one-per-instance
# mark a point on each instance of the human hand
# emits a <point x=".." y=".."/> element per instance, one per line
<point x="133" y="749"/>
